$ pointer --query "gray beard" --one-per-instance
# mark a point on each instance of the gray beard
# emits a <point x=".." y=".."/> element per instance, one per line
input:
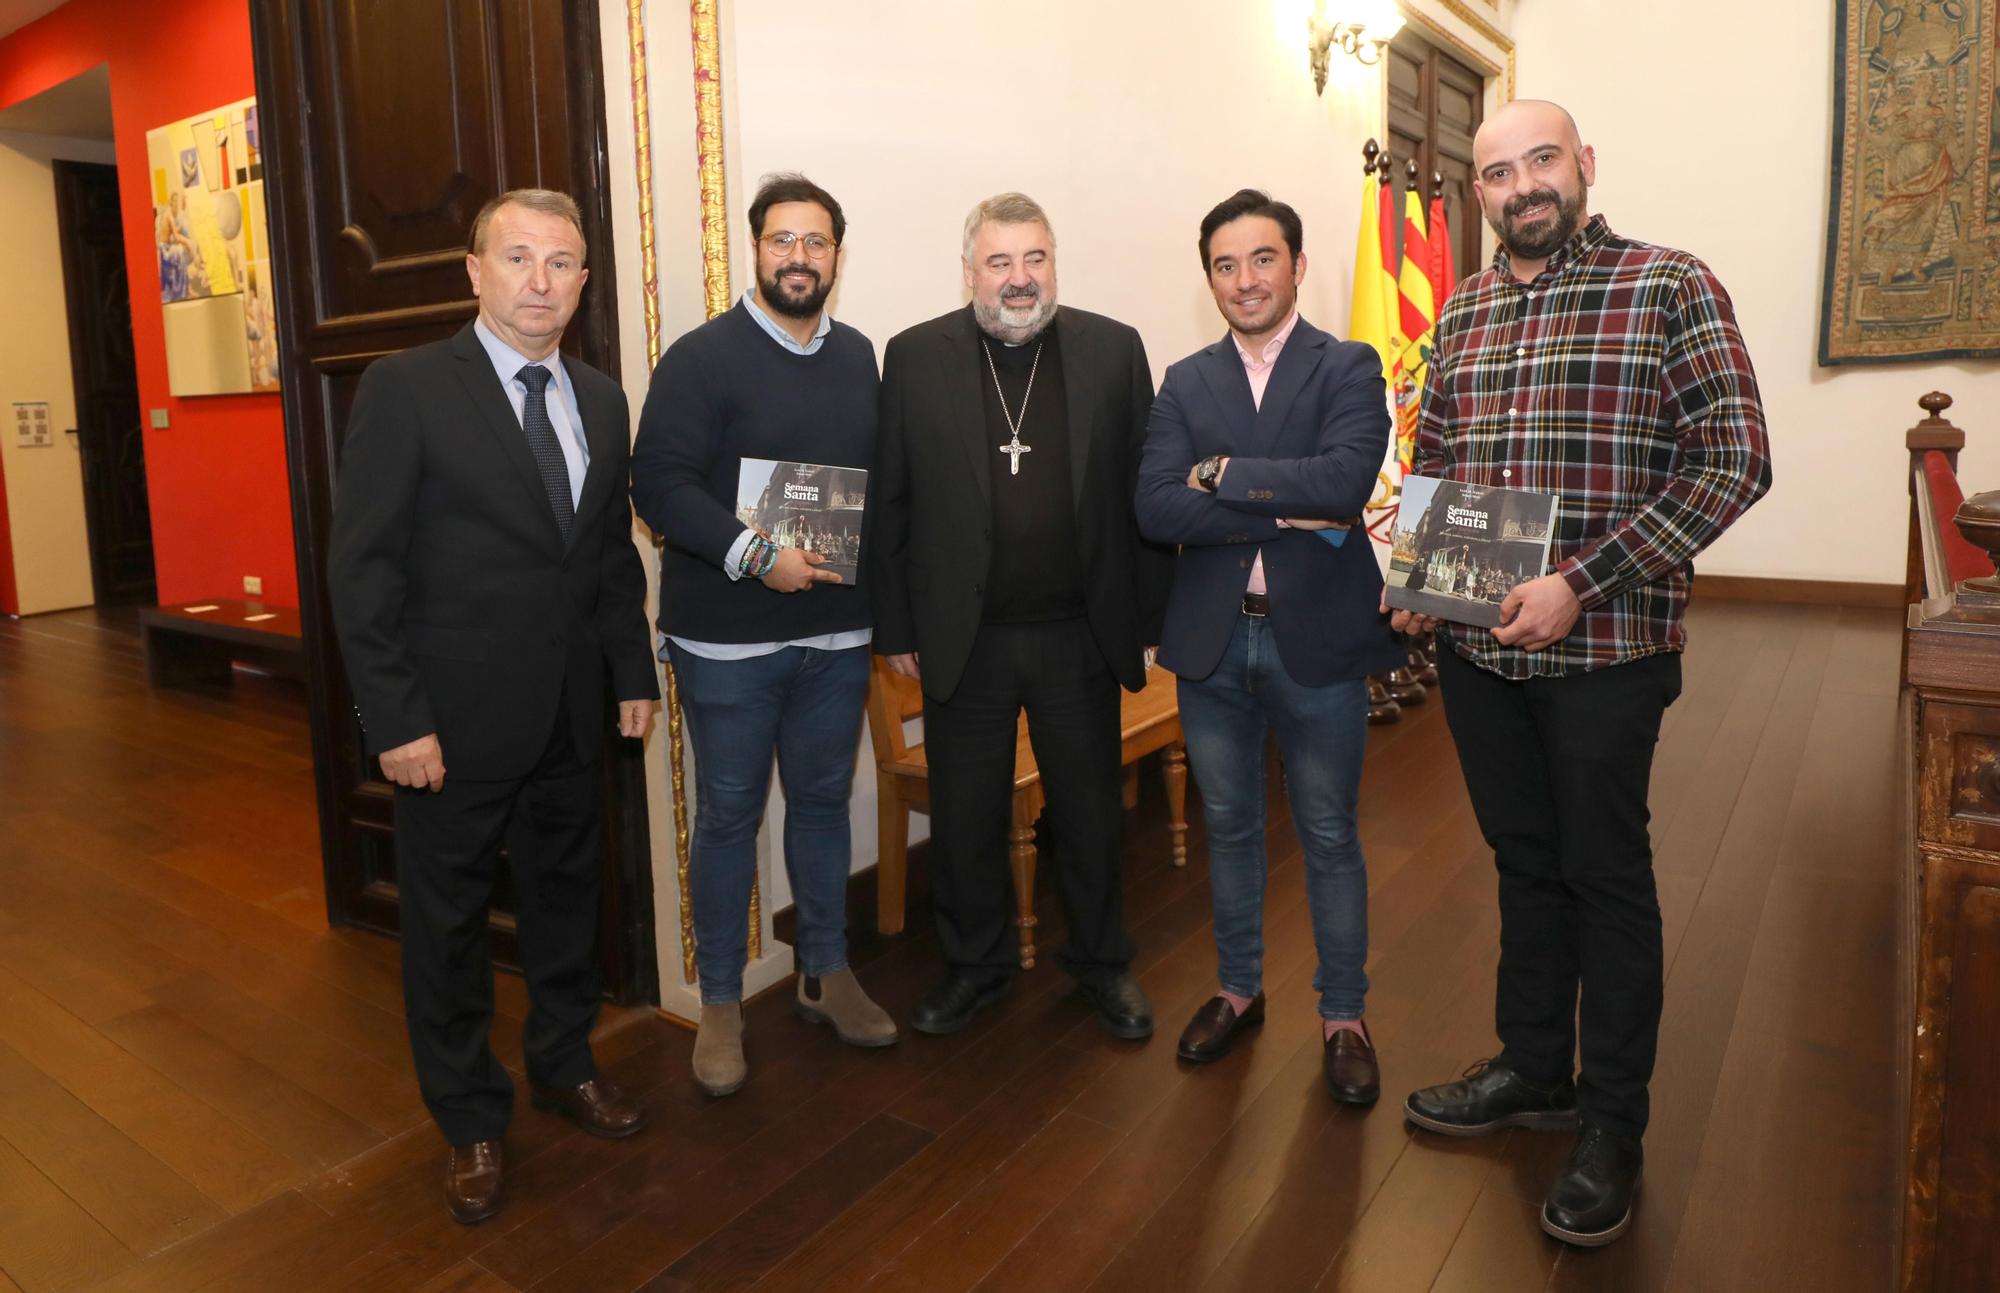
<point x="992" y="321"/>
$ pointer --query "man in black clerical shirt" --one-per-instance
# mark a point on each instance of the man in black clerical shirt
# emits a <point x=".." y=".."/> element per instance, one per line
<point x="1006" y="573"/>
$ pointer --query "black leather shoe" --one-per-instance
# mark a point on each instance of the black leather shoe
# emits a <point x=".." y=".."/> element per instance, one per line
<point x="951" y="1005"/>
<point x="597" y="1106"/>
<point x="1489" y="1098"/>
<point x="1213" y="1030"/>
<point x="1121" y="1006"/>
<point x="1352" y="1076"/>
<point x="1591" y="1202"/>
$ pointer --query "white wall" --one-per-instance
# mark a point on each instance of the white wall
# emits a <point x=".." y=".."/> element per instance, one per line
<point x="45" y="513"/>
<point x="1719" y="141"/>
<point x="1127" y="122"/>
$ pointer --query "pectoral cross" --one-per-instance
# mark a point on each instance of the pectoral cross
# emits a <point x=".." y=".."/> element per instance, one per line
<point x="1014" y="449"/>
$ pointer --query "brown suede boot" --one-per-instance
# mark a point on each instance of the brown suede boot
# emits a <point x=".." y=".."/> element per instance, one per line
<point x="837" y="999"/>
<point x="718" y="1049"/>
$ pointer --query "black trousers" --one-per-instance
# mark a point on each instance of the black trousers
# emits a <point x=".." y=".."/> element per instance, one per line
<point x="1557" y="769"/>
<point x="1055" y="672"/>
<point x="447" y="853"/>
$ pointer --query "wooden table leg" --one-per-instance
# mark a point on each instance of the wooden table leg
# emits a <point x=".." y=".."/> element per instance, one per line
<point x="1174" y="764"/>
<point x="892" y="860"/>
<point x="1021" y="856"/>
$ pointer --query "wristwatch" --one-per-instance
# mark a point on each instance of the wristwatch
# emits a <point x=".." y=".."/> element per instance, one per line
<point x="1207" y="470"/>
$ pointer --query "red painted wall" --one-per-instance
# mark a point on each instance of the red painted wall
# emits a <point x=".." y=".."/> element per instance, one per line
<point x="220" y="496"/>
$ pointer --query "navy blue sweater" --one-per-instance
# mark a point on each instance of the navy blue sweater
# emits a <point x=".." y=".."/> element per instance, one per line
<point x="725" y="392"/>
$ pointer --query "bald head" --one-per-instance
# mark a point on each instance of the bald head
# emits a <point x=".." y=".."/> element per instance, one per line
<point x="1520" y="125"/>
<point x="1532" y="174"/>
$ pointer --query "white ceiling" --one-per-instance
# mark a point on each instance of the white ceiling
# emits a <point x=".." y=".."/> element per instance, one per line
<point x="19" y="13"/>
<point x="79" y="108"/>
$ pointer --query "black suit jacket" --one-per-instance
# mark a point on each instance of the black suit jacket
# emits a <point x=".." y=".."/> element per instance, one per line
<point x="930" y="532"/>
<point x="460" y="609"/>
<point x="1312" y="449"/>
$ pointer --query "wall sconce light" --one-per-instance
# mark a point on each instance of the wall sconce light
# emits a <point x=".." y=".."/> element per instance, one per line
<point x="1364" y="28"/>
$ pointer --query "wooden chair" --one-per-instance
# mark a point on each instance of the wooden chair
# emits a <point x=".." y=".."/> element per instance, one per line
<point x="1151" y="721"/>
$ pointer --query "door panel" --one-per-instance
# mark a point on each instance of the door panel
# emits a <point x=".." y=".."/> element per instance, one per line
<point x="1435" y="105"/>
<point x="117" y="510"/>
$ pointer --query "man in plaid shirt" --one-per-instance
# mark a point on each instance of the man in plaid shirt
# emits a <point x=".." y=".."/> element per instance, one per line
<point x="1610" y="373"/>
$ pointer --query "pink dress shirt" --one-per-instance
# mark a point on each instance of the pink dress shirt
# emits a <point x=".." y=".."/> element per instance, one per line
<point x="1259" y="373"/>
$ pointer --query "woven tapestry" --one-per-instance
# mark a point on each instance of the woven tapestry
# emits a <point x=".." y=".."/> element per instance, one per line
<point x="1913" y="237"/>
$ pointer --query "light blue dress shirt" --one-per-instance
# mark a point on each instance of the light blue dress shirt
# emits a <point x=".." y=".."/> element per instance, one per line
<point x="563" y="413"/>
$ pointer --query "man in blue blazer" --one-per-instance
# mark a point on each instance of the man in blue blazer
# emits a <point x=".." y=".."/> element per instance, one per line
<point x="1261" y="451"/>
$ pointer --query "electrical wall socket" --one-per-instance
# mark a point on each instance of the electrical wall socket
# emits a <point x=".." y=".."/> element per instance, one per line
<point x="253" y="586"/>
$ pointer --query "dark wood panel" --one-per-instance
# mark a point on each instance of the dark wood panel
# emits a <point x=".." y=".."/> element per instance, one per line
<point x="1968" y="1246"/>
<point x="105" y="377"/>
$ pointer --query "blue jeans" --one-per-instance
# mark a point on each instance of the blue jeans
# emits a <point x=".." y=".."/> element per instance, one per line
<point x="1322" y="732"/>
<point x="806" y="705"/>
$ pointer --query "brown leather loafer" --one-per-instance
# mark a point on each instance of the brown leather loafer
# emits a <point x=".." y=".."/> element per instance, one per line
<point x="473" y="1183"/>
<point x="1212" y="1031"/>
<point x="597" y="1106"/>
<point x="1352" y="1075"/>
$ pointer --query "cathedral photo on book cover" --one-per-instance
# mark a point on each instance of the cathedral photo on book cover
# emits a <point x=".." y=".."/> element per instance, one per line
<point x="806" y="505"/>
<point x="1457" y="550"/>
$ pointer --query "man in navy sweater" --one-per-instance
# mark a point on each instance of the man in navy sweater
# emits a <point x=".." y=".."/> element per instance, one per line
<point x="770" y="648"/>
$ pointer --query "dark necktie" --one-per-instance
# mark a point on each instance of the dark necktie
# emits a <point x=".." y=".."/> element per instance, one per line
<point x="542" y="439"/>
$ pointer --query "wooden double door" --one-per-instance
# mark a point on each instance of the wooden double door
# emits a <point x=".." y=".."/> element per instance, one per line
<point x="386" y="125"/>
<point x="1435" y="105"/>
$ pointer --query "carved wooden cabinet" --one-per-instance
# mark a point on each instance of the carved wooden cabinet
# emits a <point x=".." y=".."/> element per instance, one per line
<point x="1952" y="1164"/>
<point x="1950" y="997"/>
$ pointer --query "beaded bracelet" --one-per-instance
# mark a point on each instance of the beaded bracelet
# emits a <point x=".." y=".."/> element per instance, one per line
<point x="760" y="557"/>
<point x="753" y="556"/>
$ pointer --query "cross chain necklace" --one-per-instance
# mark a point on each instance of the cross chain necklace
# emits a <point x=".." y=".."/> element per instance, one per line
<point x="1013" y="448"/>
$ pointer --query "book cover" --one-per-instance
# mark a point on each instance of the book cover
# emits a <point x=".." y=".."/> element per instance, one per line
<point x="806" y="505"/>
<point x="1457" y="550"/>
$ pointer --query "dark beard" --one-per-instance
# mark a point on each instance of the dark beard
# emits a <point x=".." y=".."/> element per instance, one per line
<point x="774" y="296"/>
<point x="1546" y="239"/>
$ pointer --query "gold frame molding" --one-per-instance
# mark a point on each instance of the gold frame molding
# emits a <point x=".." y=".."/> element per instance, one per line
<point x="715" y="285"/>
<point x="708" y="160"/>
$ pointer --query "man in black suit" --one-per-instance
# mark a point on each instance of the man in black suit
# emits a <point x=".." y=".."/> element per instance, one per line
<point x="484" y="584"/>
<point x="1006" y="572"/>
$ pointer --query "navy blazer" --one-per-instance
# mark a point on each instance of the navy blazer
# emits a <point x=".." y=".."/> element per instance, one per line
<point x="1313" y="450"/>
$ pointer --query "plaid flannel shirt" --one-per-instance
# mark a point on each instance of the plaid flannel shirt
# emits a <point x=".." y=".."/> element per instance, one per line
<point x="1616" y="380"/>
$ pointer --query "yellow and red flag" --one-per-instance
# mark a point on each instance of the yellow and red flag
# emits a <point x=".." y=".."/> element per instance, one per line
<point x="1418" y="317"/>
<point x="1443" y="275"/>
<point x="1374" y="286"/>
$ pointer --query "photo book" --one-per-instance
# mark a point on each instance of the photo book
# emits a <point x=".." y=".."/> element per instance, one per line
<point x="806" y="505"/>
<point x="1457" y="550"/>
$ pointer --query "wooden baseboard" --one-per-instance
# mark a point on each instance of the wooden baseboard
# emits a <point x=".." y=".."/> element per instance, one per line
<point x="1798" y="592"/>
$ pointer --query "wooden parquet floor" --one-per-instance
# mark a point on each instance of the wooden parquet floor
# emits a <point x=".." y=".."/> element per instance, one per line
<point x="202" y="1087"/>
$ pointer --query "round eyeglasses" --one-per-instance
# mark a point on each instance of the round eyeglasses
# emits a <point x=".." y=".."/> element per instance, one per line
<point x="817" y="245"/>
